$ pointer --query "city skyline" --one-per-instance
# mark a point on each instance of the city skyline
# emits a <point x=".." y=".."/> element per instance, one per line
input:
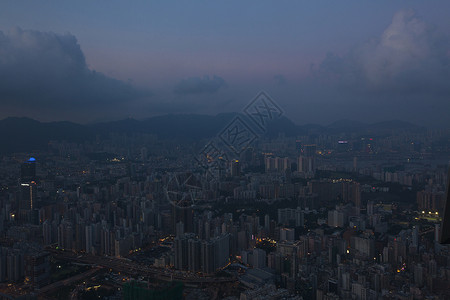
<point x="319" y="215"/>
<point x="225" y="150"/>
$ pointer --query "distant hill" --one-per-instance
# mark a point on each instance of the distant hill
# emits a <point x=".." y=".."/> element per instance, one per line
<point x="25" y="135"/>
<point x="350" y="126"/>
<point x="191" y="126"/>
<point x="394" y="125"/>
<point x="346" y="126"/>
<point x="185" y="126"/>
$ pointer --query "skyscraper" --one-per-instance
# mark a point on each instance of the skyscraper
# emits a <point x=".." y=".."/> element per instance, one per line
<point x="235" y="168"/>
<point x="27" y="191"/>
<point x="351" y="192"/>
<point x="445" y="230"/>
<point x="28" y="170"/>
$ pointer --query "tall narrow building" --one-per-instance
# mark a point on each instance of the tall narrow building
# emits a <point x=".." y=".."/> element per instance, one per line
<point x="27" y="191"/>
<point x="445" y="230"/>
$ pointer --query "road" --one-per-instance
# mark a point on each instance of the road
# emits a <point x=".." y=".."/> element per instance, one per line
<point x="136" y="269"/>
<point x="56" y="285"/>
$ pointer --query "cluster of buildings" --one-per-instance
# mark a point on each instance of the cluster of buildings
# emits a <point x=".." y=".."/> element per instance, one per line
<point x="286" y="219"/>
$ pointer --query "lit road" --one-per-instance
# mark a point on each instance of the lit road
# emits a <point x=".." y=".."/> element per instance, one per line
<point x="136" y="269"/>
<point x="68" y="281"/>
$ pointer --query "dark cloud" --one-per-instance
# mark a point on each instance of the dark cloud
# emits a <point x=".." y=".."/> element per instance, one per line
<point x="197" y="85"/>
<point x="47" y="72"/>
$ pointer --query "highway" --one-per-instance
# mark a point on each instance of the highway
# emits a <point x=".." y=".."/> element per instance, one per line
<point x="56" y="285"/>
<point x="136" y="269"/>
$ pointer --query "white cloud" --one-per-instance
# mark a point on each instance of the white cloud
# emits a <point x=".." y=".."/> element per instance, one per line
<point x="409" y="56"/>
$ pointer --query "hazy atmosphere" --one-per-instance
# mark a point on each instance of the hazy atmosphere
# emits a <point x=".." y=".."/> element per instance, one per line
<point x="235" y="150"/>
<point x="321" y="61"/>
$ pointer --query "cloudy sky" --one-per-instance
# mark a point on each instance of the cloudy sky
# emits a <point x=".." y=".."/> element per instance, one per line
<point x="321" y="61"/>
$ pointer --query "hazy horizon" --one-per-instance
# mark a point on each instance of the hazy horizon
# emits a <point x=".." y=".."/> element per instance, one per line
<point x="321" y="63"/>
<point x="324" y="124"/>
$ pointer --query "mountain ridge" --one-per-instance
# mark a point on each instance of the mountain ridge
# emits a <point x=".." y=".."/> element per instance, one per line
<point x="21" y="134"/>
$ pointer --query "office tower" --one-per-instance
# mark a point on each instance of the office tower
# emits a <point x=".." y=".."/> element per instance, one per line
<point x="181" y="252"/>
<point x="27" y="197"/>
<point x="306" y="161"/>
<point x="47" y="232"/>
<point x="194" y="255"/>
<point x="14" y="265"/>
<point x="222" y="250"/>
<point x="269" y="164"/>
<point x="89" y="237"/>
<point x="370" y="208"/>
<point x="105" y="241"/>
<point x="282" y="164"/>
<point x="351" y="192"/>
<point x="437" y="232"/>
<point x="183" y="215"/>
<point x="207" y="257"/>
<point x="27" y="191"/>
<point x="28" y="170"/>
<point x="267" y="222"/>
<point x="445" y="228"/>
<point x="179" y="231"/>
<point x="298" y="146"/>
<point x="336" y="218"/>
<point x="306" y="164"/>
<point x="415" y="236"/>
<point x="431" y="200"/>
<point x="364" y="245"/>
<point x="235" y="168"/>
<point x="259" y="258"/>
<point x="418" y="275"/>
<point x="37" y="268"/>
<point x="277" y="164"/>
<point x="294" y="216"/>
<point x="287" y="234"/>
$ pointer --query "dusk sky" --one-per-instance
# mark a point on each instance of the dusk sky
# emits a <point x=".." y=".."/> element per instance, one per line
<point x="321" y="61"/>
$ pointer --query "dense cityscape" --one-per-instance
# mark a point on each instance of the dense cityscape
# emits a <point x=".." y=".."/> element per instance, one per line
<point x="318" y="216"/>
<point x="237" y="150"/>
